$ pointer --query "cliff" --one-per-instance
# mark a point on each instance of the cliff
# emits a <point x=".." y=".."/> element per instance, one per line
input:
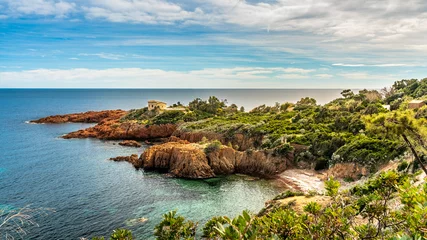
<point x="113" y="130"/>
<point x="86" y="117"/>
<point x="189" y="160"/>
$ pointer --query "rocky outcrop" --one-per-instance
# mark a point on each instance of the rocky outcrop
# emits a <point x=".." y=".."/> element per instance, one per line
<point x="347" y="170"/>
<point x="133" y="159"/>
<point x="239" y="140"/>
<point x="130" y="143"/>
<point x="181" y="160"/>
<point x="86" y="117"/>
<point x="110" y="127"/>
<point x="113" y="130"/>
<point x="189" y="160"/>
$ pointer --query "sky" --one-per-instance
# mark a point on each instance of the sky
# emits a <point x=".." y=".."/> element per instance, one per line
<point x="211" y="43"/>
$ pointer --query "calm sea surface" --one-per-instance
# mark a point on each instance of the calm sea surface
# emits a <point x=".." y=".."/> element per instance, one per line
<point x="92" y="195"/>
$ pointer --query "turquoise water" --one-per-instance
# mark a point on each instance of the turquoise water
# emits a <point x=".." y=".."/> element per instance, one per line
<point x="92" y="195"/>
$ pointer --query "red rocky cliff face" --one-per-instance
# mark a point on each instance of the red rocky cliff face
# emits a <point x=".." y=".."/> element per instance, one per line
<point x="87" y="117"/>
<point x="112" y="129"/>
<point x="188" y="160"/>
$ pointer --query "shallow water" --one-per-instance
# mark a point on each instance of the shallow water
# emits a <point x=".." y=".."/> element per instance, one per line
<point x="92" y="195"/>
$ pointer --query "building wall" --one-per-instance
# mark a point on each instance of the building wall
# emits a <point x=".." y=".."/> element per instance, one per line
<point x="152" y="106"/>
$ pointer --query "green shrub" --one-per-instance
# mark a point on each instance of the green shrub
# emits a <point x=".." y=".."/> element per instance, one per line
<point x="283" y="149"/>
<point x="214" y="146"/>
<point x="332" y="186"/>
<point x="174" y="226"/>
<point x="121" y="234"/>
<point x="368" y="152"/>
<point x="287" y="194"/>
<point x="169" y="117"/>
<point x="402" y="166"/>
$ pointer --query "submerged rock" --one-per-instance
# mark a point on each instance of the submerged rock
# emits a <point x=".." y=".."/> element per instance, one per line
<point x="130" y="143"/>
<point x="133" y="159"/>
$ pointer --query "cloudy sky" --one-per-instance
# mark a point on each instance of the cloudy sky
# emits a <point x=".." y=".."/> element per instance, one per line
<point x="211" y="43"/>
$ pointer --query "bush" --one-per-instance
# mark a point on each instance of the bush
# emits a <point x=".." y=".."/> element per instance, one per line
<point x="368" y="152"/>
<point x="402" y="166"/>
<point x="174" y="226"/>
<point x="121" y="234"/>
<point x="287" y="194"/>
<point x="332" y="186"/>
<point x="321" y="163"/>
<point x="169" y="117"/>
<point x="283" y="149"/>
<point x="214" y="146"/>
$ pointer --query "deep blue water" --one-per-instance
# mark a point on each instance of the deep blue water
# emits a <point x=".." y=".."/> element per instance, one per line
<point x="92" y="195"/>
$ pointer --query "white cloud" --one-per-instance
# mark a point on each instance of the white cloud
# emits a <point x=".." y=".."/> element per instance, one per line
<point x="239" y="77"/>
<point x="292" y="76"/>
<point x="367" y="76"/>
<point x="379" y="65"/>
<point x="140" y="11"/>
<point x="298" y="70"/>
<point x="57" y="8"/>
<point x="109" y="56"/>
<point x="324" y="75"/>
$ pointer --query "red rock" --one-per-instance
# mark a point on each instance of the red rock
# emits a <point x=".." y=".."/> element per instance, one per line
<point x="86" y="117"/>
<point x="190" y="161"/>
<point x="130" y="143"/>
<point x="133" y="159"/>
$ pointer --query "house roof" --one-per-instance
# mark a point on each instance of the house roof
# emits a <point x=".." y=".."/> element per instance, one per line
<point x="155" y="101"/>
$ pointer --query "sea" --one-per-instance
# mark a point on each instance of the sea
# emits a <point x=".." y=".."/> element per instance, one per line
<point x="88" y="195"/>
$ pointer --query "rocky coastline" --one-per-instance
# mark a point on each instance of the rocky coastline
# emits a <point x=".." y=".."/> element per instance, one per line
<point x="86" y="117"/>
<point x="181" y="155"/>
<point x="186" y="154"/>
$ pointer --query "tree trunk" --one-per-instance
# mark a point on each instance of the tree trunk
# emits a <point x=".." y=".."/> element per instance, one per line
<point x="414" y="152"/>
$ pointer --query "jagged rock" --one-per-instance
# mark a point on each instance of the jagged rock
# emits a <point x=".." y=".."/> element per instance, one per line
<point x="181" y="160"/>
<point x="113" y="130"/>
<point x="190" y="161"/>
<point x="133" y="159"/>
<point x="86" y="117"/>
<point x="130" y="143"/>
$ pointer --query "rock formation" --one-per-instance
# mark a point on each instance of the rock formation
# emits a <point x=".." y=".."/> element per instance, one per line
<point x="113" y="130"/>
<point x="189" y="160"/>
<point x="130" y="143"/>
<point x="133" y="159"/>
<point x="86" y="117"/>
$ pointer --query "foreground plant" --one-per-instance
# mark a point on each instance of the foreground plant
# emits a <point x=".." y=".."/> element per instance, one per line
<point x="388" y="206"/>
<point x="14" y="222"/>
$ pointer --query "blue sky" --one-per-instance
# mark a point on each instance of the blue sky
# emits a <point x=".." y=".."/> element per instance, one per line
<point x="211" y="43"/>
